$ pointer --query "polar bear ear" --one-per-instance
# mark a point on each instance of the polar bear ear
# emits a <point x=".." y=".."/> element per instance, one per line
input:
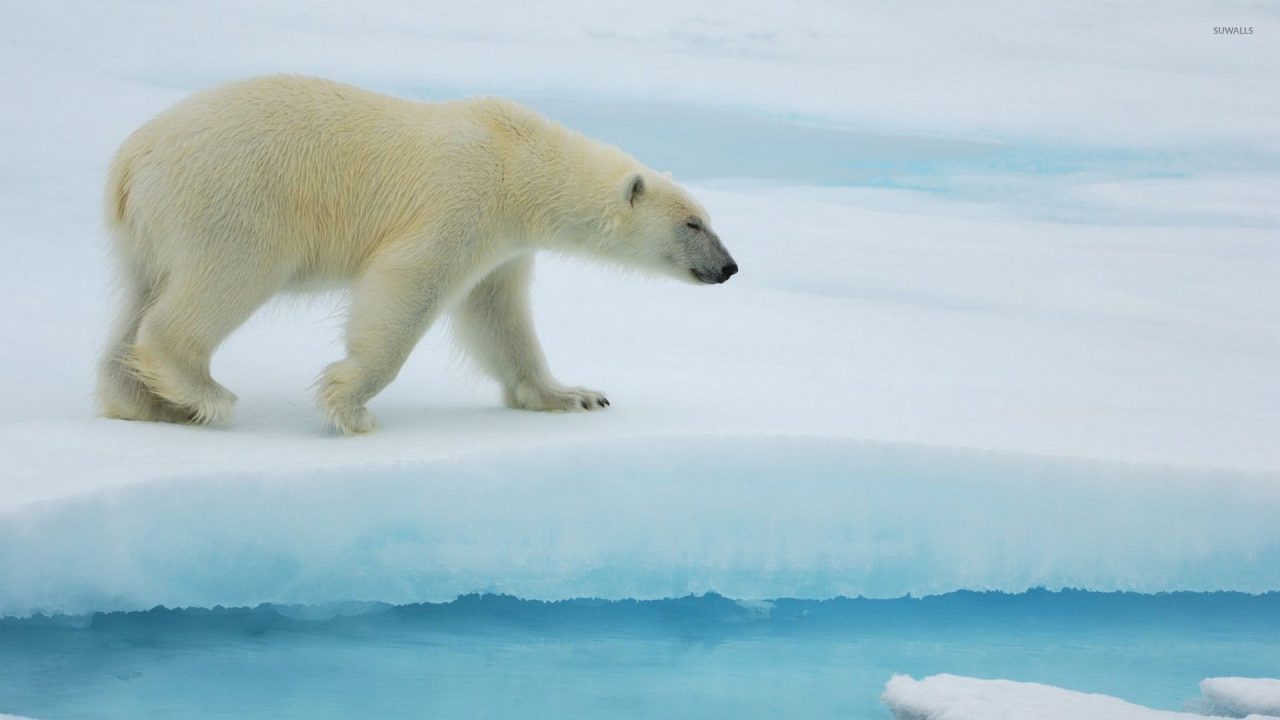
<point x="633" y="188"/>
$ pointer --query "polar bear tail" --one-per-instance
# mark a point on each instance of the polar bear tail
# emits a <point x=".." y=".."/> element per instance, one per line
<point x="118" y="183"/>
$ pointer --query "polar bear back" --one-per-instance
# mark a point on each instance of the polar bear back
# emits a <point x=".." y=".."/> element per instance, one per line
<point x="317" y="174"/>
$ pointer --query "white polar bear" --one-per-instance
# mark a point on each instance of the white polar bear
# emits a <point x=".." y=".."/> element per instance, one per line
<point x="240" y="192"/>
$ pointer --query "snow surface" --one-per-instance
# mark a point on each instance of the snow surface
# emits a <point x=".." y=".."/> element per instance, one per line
<point x="1007" y="315"/>
<point x="1240" y="696"/>
<point x="950" y="697"/>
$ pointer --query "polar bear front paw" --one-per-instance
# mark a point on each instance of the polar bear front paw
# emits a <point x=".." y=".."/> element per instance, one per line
<point x="553" y="398"/>
<point x="337" y="395"/>
<point x="353" y="420"/>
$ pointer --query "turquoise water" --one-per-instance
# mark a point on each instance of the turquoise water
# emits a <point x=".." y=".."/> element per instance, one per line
<point x="695" y="657"/>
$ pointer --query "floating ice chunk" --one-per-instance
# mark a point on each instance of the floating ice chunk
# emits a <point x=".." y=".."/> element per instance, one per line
<point x="951" y="697"/>
<point x="1234" y="696"/>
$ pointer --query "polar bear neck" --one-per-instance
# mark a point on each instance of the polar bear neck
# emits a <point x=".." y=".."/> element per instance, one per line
<point x="560" y="186"/>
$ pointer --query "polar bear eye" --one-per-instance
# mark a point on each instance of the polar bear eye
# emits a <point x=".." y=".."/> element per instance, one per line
<point x="694" y="223"/>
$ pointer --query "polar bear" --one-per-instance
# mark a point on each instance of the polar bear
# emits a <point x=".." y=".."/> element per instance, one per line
<point x="290" y="183"/>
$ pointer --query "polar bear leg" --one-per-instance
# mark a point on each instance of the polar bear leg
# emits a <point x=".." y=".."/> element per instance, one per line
<point x="495" y="326"/>
<point x="393" y="303"/>
<point x="121" y="393"/>
<point x="193" y="313"/>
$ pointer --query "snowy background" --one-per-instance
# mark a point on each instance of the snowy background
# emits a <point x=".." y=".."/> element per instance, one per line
<point x="1008" y="315"/>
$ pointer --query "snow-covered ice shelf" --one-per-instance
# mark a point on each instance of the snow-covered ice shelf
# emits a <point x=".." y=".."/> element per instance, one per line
<point x="971" y="346"/>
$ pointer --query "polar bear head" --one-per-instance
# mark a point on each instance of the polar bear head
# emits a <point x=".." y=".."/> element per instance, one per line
<point x="659" y="227"/>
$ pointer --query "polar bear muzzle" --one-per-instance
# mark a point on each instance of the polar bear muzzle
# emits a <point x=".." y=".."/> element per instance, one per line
<point x="712" y="263"/>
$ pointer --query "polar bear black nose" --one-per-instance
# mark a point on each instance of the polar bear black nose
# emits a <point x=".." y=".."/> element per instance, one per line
<point x="728" y="271"/>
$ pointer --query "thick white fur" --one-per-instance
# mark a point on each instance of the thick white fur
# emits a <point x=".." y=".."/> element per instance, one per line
<point x="243" y="191"/>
